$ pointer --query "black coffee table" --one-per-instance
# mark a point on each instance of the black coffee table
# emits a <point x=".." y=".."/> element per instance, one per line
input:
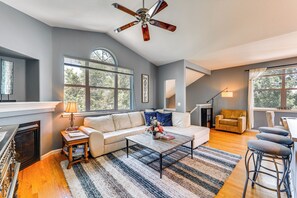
<point x="162" y="147"/>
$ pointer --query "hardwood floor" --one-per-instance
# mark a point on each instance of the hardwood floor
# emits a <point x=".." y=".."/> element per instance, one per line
<point x="45" y="178"/>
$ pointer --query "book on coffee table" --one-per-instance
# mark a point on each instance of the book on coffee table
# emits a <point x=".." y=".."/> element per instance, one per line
<point x="168" y="137"/>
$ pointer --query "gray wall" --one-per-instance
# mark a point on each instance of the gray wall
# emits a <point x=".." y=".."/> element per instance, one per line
<point x="32" y="80"/>
<point x="175" y="70"/>
<point x="25" y="35"/>
<point x="19" y="86"/>
<point x="80" y="44"/>
<point x="236" y="79"/>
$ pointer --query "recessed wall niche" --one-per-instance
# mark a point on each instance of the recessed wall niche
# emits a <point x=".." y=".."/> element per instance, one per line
<point x="26" y="76"/>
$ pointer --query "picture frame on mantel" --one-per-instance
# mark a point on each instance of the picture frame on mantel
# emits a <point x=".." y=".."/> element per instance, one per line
<point x="145" y="83"/>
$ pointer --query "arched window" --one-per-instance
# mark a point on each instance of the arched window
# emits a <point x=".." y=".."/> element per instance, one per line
<point x="98" y="86"/>
<point x="103" y="55"/>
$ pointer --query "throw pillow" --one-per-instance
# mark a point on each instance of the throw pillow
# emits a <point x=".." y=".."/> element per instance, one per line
<point x="148" y="116"/>
<point x="165" y="118"/>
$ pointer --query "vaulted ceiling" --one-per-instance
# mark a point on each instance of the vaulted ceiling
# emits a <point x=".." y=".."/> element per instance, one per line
<point x="211" y="33"/>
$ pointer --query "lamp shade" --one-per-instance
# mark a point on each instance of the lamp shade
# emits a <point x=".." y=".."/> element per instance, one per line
<point x="227" y="94"/>
<point x="71" y="107"/>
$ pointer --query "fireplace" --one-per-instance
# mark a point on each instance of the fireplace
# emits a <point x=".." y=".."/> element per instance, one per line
<point x="27" y="140"/>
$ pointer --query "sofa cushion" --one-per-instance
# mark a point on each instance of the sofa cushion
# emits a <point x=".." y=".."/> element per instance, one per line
<point x="181" y="119"/>
<point x="231" y="122"/>
<point x="117" y="136"/>
<point x="102" y="123"/>
<point x="191" y="131"/>
<point x="165" y="118"/>
<point x="136" y="119"/>
<point x="121" y="121"/>
<point x="233" y="114"/>
<point x="148" y="116"/>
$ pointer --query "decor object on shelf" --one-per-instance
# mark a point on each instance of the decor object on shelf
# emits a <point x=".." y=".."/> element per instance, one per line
<point x="231" y="120"/>
<point x="225" y="94"/>
<point x="155" y="128"/>
<point x="7" y="79"/>
<point x="144" y="16"/>
<point x="71" y="108"/>
<point x="145" y="88"/>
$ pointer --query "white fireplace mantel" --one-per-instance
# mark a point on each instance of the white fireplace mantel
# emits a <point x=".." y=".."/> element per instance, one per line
<point x="11" y="109"/>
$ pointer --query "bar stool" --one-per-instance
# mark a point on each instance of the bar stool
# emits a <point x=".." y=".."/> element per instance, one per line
<point x="274" y="130"/>
<point x="271" y="151"/>
<point x="279" y="139"/>
<point x="285" y="141"/>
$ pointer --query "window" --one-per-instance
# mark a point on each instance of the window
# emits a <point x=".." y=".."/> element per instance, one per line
<point x="276" y="88"/>
<point x="102" y="55"/>
<point x="98" y="86"/>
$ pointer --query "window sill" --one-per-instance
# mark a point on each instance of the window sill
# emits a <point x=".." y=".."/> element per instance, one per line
<point x="276" y="110"/>
<point x="85" y="114"/>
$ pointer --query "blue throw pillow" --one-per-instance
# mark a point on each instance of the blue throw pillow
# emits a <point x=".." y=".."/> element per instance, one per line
<point x="165" y="118"/>
<point x="148" y="116"/>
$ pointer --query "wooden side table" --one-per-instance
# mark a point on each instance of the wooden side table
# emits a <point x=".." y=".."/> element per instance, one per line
<point x="69" y="142"/>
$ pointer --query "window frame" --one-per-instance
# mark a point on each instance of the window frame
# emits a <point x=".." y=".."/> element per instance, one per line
<point x="88" y="87"/>
<point x="108" y="51"/>
<point x="283" y="90"/>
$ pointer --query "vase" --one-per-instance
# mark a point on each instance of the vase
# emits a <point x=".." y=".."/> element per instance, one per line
<point x="155" y="135"/>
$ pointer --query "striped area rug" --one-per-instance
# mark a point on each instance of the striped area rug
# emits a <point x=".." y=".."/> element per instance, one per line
<point x="115" y="175"/>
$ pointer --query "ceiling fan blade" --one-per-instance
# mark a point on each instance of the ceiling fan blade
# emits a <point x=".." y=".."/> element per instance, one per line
<point x="124" y="9"/>
<point x="157" y="7"/>
<point x="163" y="25"/>
<point x="145" y="32"/>
<point x="126" y="26"/>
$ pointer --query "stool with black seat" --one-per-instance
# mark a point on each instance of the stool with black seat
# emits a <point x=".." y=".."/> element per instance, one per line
<point x="285" y="141"/>
<point x="274" y="130"/>
<point x="279" y="139"/>
<point x="272" y="152"/>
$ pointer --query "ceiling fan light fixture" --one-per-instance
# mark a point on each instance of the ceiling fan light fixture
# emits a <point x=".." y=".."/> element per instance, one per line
<point x="145" y="16"/>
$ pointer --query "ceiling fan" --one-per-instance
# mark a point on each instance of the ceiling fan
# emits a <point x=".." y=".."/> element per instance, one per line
<point x="145" y="17"/>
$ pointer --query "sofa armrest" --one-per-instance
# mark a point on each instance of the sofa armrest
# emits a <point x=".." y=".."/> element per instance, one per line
<point x="218" y="118"/>
<point x="242" y="124"/>
<point x="96" y="140"/>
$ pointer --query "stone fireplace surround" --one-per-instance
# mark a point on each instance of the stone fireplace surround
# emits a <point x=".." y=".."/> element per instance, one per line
<point x="23" y="112"/>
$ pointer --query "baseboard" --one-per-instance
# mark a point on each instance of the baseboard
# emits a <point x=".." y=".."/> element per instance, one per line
<point x="50" y="153"/>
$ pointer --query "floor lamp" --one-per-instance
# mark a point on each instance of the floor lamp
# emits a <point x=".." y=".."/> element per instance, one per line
<point x="225" y="94"/>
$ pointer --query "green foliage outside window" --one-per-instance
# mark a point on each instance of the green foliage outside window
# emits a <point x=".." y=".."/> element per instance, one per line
<point x="276" y="89"/>
<point x="94" y="89"/>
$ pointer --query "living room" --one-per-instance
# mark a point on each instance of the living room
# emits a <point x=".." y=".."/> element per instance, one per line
<point x="68" y="51"/>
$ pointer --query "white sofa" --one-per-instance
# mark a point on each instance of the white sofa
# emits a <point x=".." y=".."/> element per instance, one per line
<point x="108" y="133"/>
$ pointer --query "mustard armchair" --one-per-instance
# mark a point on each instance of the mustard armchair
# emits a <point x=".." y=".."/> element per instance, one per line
<point x="231" y="120"/>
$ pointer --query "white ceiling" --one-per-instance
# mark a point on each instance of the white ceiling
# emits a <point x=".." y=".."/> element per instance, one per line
<point x="211" y="33"/>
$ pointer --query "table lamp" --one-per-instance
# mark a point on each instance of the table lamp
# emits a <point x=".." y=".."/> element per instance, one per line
<point x="71" y="108"/>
